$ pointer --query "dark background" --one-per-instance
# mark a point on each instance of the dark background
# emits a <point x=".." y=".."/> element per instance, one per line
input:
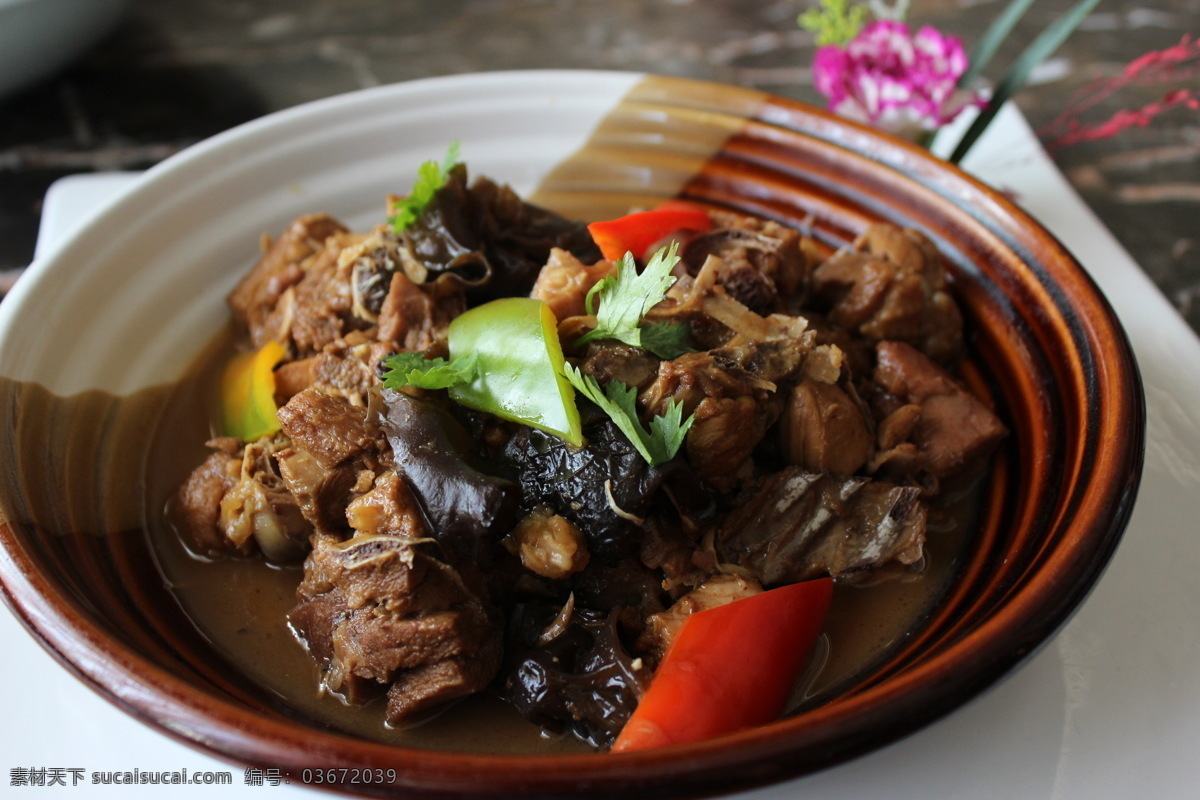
<point x="174" y="73"/>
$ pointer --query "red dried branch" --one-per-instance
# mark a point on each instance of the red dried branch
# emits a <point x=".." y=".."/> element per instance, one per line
<point x="1180" y="62"/>
<point x="1076" y="132"/>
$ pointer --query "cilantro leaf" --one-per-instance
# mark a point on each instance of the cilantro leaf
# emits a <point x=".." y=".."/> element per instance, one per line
<point x="657" y="445"/>
<point x="667" y="431"/>
<point x="620" y="301"/>
<point x="414" y="369"/>
<point x="667" y="340"/>
<point x="431" y="176"/>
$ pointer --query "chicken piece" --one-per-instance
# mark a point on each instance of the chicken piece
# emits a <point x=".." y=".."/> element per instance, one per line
<point x="724" y="435"/>
<point x="717" y="591"/>
<point x="565" y="281"/>
<point x="824" y="429"/>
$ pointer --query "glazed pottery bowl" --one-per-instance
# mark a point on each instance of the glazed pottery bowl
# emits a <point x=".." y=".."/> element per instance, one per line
<point x="91" y="336"/>
<point x="38" y="37"/>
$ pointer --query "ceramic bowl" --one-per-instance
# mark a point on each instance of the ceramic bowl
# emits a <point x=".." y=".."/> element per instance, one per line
<point x="38" y="37"/>
<point x="136" y="294"/>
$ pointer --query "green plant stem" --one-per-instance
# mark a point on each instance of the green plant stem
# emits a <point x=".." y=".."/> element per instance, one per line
<point x="1038" y="50"/>
<point x="996" y="33"/>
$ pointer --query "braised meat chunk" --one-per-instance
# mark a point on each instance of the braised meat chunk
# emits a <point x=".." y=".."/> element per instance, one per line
<point x="237" y="503"/>
<point x="717" y="591"/>
<point x="930" y="421"/>
<point x="415" y="317"/>
<point x="564" y="282"/>
<point x="892" y="285"/>
<point x="762" y="264"/>
<point x="327" y="427"/>
<point x="196" y="507"/>
<point x="826" y="428"/>
<point x="332" y="371"/>
<point x="797" y="525"/>
<point x="378" y="612"/>
<point x="256" y="300"/>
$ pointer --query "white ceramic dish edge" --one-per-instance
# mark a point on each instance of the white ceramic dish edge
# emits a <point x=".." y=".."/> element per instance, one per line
<point x="252" y="196"/>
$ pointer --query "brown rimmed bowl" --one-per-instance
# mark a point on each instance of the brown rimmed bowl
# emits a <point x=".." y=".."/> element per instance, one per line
<point x="91" y="335"/>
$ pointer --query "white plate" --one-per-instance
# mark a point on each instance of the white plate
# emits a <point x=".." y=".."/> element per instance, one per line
<point x="1109" y="710"/>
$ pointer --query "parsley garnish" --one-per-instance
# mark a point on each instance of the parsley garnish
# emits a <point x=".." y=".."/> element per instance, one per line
<point x="837" y="21"/>
<point x="414" y="369"/>
<point x="657" y="445"/>
<point x="431" y="176"/>
<point x="667" y="340"/>
<point x="620" y="301"/>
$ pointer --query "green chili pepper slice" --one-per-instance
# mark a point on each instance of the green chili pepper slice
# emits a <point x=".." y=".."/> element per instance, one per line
<point x="248" y="393"/>
<point x="519" y="373"/>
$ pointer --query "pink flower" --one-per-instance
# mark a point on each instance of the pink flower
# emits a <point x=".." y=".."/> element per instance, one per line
<point x="889" y="78"/>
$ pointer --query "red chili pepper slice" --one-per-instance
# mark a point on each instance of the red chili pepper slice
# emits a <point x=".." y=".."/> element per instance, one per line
<point x="729" y="668"/>
<point x="635" y="233"/>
